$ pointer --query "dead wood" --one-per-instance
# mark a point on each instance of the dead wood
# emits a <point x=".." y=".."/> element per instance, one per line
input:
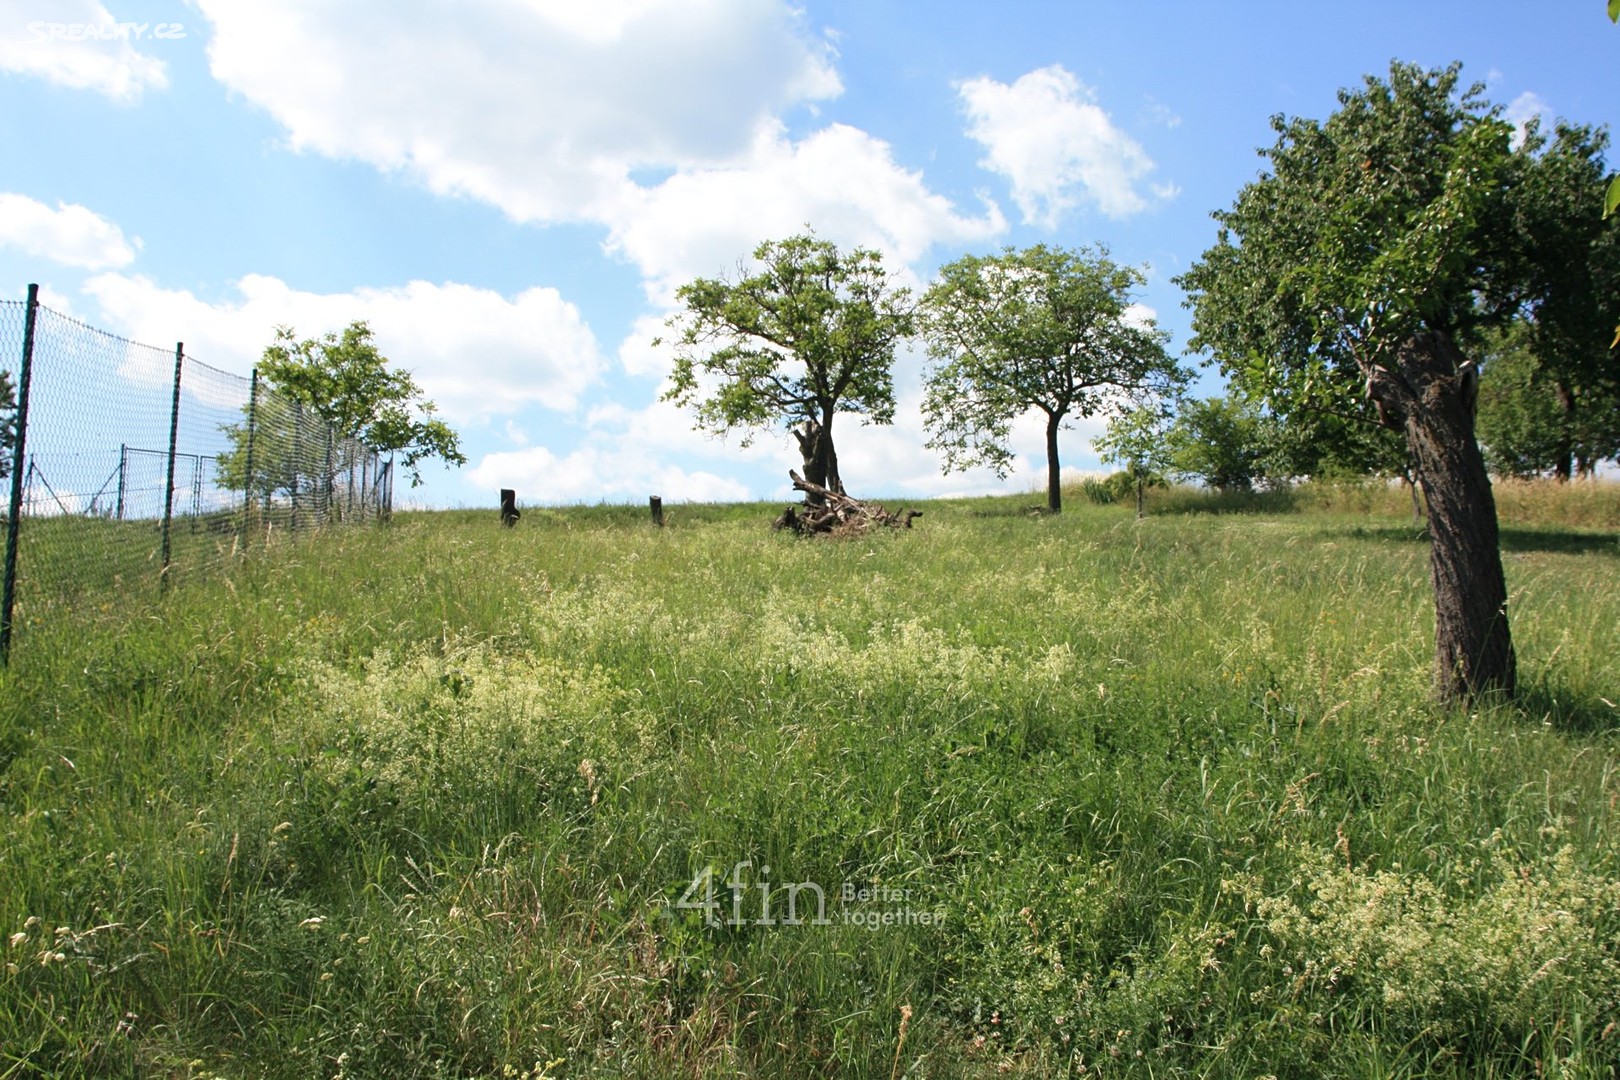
<point x="832" y="513"/>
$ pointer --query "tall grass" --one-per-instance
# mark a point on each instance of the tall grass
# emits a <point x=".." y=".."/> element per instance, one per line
<point x="1109" y="797"/>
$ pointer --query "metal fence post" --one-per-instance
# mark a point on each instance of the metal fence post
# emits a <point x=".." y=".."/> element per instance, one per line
<point x="14" y="518"/>
<point x="196" y="491"/>
<point x="297" y="464"/>
<point x="174" y="436"/>
<point x="252" y="431"/>
<point x="327" y="516"/>
<point x="123" y="476"/>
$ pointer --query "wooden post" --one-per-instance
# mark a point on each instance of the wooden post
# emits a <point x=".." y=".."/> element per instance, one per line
<point x="656" y="505"/>
<point x="509" y="510"/>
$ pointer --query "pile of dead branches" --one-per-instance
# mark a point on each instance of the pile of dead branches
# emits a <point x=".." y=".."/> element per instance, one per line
<point x="831" y="513"/>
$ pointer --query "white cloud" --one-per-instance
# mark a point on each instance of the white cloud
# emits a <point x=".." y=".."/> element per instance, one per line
<point x="1139" y="314"/>
<point x="541" y="107"/>
<point x="637" y="354"/>
<point x="475" y="352"/>
<point x="841" y="180"/>
<point x="1524" y="108"/>
<point x="78" y="44"/>
<point x="878" y="462"/>
<point x="1047" y="135"/>
<point x="592" y="473"/>
<point x="71" y="234"/>
<point x="658" y="119"/>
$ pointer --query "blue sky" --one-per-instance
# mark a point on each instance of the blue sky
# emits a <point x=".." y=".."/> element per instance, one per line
<point x="510" y="191"/>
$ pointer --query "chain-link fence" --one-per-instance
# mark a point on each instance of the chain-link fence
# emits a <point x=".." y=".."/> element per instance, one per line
<point x="129" y="466"/>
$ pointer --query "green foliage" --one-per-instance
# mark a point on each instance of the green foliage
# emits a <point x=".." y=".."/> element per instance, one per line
<point x="1038" y="329"/>
<point x="1575" y="277"/>
<point x="1226" y="443"/>
<point x="811" y="333"/>
<point x="1139" y="440"/>
<point x="288" y="444"/>
<point x="1382" y="221"/>
<point x="1529" y="422"/>
<point x="347" y="383"/>
<point x="8" y="423"/>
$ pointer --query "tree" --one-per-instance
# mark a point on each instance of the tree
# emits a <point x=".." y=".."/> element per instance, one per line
<point x="1138" y="440"/>
<point x="1381" y="243"/>
<point x="343" y="383"/>
<point x="1519" y="418"/>
<point x="1042" y="330"/>
<point x="812" y="333"/>
<point x="1574" y="268"/>
<point x="1227" y="443"/>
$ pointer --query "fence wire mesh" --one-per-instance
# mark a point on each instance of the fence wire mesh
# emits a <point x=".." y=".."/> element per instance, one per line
<point x="135" y="466"/>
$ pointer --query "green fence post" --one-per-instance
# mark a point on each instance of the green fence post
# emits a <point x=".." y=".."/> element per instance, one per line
<point x="252" y="431"/>
<point x="14" y="519"/>
<point x="174" y="436"/>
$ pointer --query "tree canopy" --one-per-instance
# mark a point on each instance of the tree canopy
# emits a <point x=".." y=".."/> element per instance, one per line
<point x="1040" y="329"/>
<point x="810" y="333"/>
<point x="347" y="382"/>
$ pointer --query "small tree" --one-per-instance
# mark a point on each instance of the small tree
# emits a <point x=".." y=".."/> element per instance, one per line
<point x="1227" y="443"/>
<point x="1041" y="330"/>
<point x="810" y="334"/>
<point x="341" y="382"/>
<point x="1139" y="440"/>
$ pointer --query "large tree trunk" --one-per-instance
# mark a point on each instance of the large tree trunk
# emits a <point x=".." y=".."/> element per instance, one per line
<point x="820" y="458"/>
<point x="1054" y="472"/>
<point x="1431" y="398"/>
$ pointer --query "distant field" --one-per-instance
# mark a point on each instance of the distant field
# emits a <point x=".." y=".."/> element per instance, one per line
<point x="1083" y="796"/>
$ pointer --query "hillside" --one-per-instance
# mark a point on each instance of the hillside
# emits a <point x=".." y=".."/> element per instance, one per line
<point x="1059" y="796"/>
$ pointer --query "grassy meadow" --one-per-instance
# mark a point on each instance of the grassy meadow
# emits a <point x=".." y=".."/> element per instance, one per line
<point x="1072" y="796"/>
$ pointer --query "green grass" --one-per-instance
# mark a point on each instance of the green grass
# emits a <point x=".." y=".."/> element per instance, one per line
<point x="422" y="800"/>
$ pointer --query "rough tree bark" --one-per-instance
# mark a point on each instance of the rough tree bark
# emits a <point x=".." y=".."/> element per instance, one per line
<point x="820" y="458"/>
<point x="1430" y="397"/>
